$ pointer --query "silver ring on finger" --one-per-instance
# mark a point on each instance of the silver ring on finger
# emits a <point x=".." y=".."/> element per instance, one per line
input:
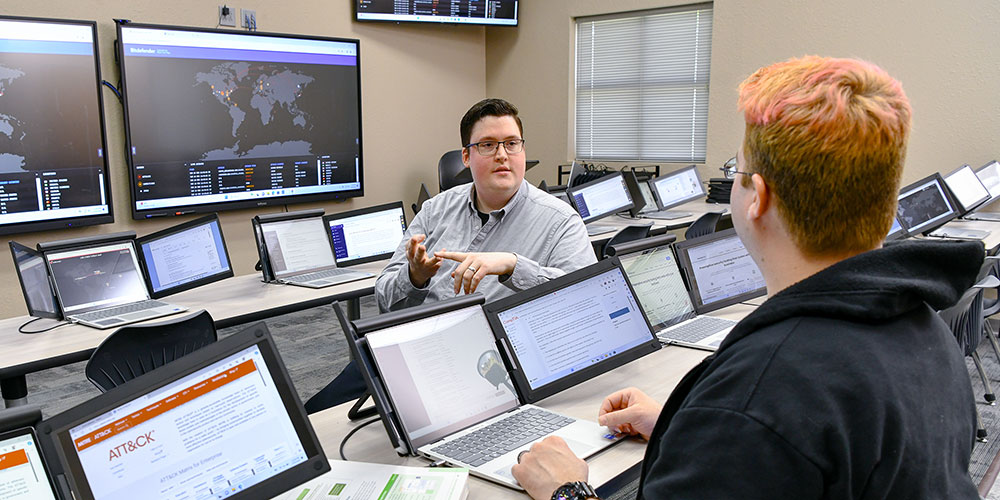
<point x="471" y="269"/>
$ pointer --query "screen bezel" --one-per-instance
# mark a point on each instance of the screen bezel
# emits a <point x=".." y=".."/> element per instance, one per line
<point x="55" y="286"/>
<point x="668" y="247"/>
<point x="362" y="211"/>
<point x="591" y="218"/>
<point x="656" y="193"/>
<point x="928" y="226"/>
<point x="958" y="203"/>
<point x="56" y="429"/>
<point x="235" y="204"/>
<point x="87" y="220"/>
<point x="38" y="313"/>
<point x="529" y="395"/>
<point x="147" y="276"/>
<point x="995" y="164"/>
<point x="400" y="18"/>
<point x="899" y="233"/>
<point x="681" y="251"/>
<point x="14" y="433"/>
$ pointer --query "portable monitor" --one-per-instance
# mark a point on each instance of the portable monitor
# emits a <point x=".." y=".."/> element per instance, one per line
<point x="600" y="198"/>
<point x="23" y="471"/>
<point x="719" y="270"/>
<point x="677" y="187"/>
<point x="925" y="205"/>
<point x="35" y="284"/>
<point x="221" y="422"/>
<point x="967" y="190"/>
<point x="184" y="256"/>
<point x="896" y="232"/>
<point x="366" y="235"/>
<point x="989" y="175"/>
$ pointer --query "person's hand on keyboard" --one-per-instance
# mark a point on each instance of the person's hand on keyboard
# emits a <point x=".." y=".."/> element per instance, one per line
<point x="629" y="411"/>
<point x="548" y="465"/>
<point x="473" y="267"/>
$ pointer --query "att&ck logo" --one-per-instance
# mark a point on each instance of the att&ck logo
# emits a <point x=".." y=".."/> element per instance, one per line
<point x="130" y="446"/>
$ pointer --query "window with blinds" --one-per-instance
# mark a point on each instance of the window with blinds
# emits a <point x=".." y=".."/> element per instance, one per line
<point x="642" y="85"/>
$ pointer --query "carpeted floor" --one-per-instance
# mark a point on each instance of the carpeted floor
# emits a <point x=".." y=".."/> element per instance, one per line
<point x="313" y="348"/>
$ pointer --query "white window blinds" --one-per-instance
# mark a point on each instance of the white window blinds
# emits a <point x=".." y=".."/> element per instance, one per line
<point x="642" y="85"/>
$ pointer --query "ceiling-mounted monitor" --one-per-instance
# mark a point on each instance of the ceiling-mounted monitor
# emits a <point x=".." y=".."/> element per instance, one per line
<point x="53" y="156"/>
<point x="218" y="120"/>
<point x="484" y="12"/>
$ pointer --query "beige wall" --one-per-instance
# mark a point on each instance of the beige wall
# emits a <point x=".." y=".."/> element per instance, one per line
<point x="944" y="53"/>
<point x="417" y="81"/>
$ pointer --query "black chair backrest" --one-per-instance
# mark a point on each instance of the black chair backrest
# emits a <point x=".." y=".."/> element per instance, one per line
<point x="991" y="303"/>
<point x="706" y="224"/>
<point x="965" y="319"/>
<point x="449" y="166"/>
<point x="134" y="350"/>
<point x="628" y="233"/>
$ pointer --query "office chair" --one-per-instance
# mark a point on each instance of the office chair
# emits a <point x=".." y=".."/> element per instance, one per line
<point x="134" y="350"/>
<point x="706" y="224"/>
<point x="618" y="248"/>
<point x="991" y="304"/>
<point x="422" y="196"/>
<point x="449" y="166"/>
<point x="965" y="319"/>
<point x="625" y="235"/>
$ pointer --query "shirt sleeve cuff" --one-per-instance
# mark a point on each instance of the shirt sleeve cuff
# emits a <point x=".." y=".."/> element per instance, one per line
<point x="526" y="274"/>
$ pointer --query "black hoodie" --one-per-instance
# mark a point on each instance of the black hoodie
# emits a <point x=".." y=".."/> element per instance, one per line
<point x="845" y="385"/>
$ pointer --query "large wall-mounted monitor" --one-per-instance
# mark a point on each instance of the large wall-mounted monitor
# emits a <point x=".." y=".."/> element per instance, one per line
<point x="218" y="120"/>
<point x="53" y="156"/>
<point x="485" y="12"/>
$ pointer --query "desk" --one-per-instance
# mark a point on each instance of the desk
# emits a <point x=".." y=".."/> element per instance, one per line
<point x="655" y="374"/>
<point x="992" y="242"/>
<point x="232" y="301"/>
<point x="697" y="208"/>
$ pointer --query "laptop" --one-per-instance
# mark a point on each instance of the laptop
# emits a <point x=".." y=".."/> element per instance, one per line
<point x="653" y="270"/>
<point x="600" y="198"/>
<point x="101" y="285"/>
<point x="926" y="205"/>
<point x="896" y="231"/>
<point x="33" y="276"/>
<point x="23" y="470"/>
<point x="966" y="190"/>
<point x="989" y="175"/>
<point x="455" y="381"/>
<point x="298" y="251"/>
<point x="185" y="256"/>
<point x="366" y="235"/>
<point x="673" y="189"/>
<point x="222" y="422"/>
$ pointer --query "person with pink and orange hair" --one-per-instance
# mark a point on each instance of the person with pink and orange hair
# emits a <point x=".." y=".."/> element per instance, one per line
<point x="845" y="383"/>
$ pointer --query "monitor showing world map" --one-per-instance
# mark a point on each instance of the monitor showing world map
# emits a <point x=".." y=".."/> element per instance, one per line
<point x="53" y="166"/>
<point x="219" y="120"/>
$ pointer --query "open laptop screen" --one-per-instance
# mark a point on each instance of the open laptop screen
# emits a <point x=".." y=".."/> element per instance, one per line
<point x="969" y="191"/>
<point x="677" y="188"/>
<point x="366" y="235"/>
<point x="34" y="278"/>
<point x="571" y="329"/>
<point x="297" y="245"/>
<point x="896" y="231"/>
<point x="600" y="198"/>
<point x="658" y="285"/>
<point x="431" y="368"/>
<point x="180" y="258"/>
<point x="989" y="175"/>
<point x="223" y="421"/>
<point x="924" y="205"/>
<point x="96" y="277"/>
<point x="23" y="474"/>
<point x="720" y="271"/>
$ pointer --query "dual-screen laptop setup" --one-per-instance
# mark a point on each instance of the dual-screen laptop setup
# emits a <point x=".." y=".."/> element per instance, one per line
<point x="455" y="381"/>
<point x="115" y="279"/>
<point x="221" y="422"/>
<point x="928" y="204"/>
<point x="310" y="249"/>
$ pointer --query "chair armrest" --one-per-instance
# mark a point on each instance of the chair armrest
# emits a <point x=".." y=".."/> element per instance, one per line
<point x="988" y="282"/>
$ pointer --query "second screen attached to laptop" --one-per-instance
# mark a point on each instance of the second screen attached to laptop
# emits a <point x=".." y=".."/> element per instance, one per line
<point x="297" y="245"/>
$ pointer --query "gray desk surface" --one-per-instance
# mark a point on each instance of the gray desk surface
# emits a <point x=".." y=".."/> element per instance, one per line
<point x="992" y="242"/>
<point x="232" y="301"/>
<point x="656" y="374"/>
<point x="697" y="208"/>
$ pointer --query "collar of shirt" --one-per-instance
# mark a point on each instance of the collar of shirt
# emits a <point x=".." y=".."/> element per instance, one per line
<point x="513" y="203"/>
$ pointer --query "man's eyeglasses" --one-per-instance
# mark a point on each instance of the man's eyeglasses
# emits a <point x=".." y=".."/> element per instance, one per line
<point x="489" y="148"/>
<point x="729" y="169"/>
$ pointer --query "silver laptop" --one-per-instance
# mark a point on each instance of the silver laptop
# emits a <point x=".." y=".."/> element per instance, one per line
<point x="299" y="253"/>
<point x="600" y="198"/>
<point x="673" y="189"/>
<point x="101" y="286"/>
<point x="454" y="400"/>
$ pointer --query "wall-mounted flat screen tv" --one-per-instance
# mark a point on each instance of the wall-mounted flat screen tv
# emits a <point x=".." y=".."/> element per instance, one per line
<point x="485" y="12"/>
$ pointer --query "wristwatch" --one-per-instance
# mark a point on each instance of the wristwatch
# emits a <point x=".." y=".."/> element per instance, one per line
<point x="577" y="490"/>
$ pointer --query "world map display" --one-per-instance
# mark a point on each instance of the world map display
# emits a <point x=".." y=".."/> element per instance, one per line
<point x="10" y="126"/>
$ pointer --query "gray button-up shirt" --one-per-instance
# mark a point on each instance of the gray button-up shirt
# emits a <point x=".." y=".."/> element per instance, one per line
<point x="547" y="236"/>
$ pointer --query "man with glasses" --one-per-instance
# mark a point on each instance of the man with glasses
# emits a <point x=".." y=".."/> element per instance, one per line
<point x="497" y="235"/>
<point x="845" y="383"/>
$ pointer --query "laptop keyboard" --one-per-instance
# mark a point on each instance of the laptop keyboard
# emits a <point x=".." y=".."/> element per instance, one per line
<point x="695" y="331"/>
<point x="318" y="275"/>
<point x="502" y="436"/>
<point x="94" y="316"/>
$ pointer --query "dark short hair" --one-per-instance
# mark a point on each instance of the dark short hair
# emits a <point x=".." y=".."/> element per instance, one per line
<point x="487" y="107"/>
